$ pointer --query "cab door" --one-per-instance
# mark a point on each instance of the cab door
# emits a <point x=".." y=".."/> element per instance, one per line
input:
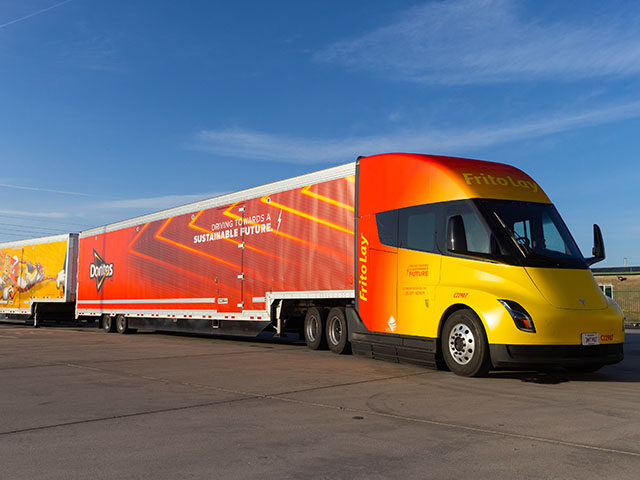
<point x="376" y="264"/>
<point x="418" y="272"/>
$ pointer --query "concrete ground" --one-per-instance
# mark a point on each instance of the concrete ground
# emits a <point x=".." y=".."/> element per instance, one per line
<point x="79" y="403"/>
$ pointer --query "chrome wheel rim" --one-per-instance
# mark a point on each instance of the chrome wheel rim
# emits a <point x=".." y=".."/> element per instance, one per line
<point x="462" y="344"/>
<point x="335" y="331"/>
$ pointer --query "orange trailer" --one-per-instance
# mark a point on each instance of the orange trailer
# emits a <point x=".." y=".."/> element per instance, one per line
<point x="230" y="264"/>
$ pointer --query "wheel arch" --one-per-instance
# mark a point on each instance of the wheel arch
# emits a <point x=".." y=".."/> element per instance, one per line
<point x="454" y="308"/>
<point x="447" y="313"/>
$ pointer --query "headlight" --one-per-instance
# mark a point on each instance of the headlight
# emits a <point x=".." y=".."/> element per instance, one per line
<point x="520" y="316"/>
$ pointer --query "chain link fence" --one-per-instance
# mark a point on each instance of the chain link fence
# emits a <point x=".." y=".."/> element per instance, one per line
<point x="629" y="302"/>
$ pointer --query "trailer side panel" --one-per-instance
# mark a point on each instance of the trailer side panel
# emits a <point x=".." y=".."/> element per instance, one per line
<point x="36" y="271"/>
<point x="224" y="262"/>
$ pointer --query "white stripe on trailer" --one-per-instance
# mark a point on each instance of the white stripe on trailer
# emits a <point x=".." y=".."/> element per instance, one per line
<point x="16" y="310"/>
<point x="46" y="299"/>
<point x="99" y="308"/>
<point x="147" y="300"/>
<point x="247" y="315"/>
<point x="314" y="294"/>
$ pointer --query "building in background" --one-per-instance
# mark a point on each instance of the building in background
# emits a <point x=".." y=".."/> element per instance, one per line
<point x="623" y="285"/>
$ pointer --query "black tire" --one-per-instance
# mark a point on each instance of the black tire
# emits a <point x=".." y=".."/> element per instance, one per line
<point x="108" y="323"/>
<point x="314" y="323"/>
<point x="122" y="324"/>
<point x="337" y="332"/>
<point x="464" y="344"/>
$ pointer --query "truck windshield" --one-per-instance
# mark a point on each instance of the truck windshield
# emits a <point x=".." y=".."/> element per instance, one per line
<point x="533" y="232"/>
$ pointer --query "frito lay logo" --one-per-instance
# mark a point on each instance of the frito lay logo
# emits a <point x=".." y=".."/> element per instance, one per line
<point x="485" y="179"/>
<point x="100" y="270"/>
<point x="362" y="267"/>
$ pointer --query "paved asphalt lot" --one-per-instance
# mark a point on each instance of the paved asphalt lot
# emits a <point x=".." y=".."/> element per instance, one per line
<point x="78" y="403"/>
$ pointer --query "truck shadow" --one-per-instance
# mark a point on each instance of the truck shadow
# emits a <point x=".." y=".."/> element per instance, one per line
<point x="613" y="374"/>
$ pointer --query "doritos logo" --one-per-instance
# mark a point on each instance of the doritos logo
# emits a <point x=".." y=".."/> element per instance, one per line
<point x="100" y="270"/>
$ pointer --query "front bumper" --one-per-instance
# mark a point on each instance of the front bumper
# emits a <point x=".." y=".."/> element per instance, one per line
<point x="526" y="356"/>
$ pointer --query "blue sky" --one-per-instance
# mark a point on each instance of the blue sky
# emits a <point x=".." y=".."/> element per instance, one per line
<point x="115" y="109"/>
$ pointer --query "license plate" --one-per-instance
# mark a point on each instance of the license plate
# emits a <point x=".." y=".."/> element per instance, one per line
<point x="590" y="339"/>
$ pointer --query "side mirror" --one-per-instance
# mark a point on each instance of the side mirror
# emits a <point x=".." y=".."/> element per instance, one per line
<point x="456" y="235"/>
<point x="598" y="247"/>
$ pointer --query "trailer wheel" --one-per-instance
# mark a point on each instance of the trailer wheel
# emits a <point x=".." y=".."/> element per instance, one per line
<point x="337" y="333"/>
<point x="464" y="344"/>
<point x="314" y="323"/>
<point x="108" y="325"/>
<point x="122" y="324"/>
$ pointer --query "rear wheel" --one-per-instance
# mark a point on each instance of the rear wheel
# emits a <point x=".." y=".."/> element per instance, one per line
<point x="314" y="323"/>
<point x="336" y="332"/>
<point x="108" y="323"/>
<point x="464" y="345"/>
<point x="122" y="324"/>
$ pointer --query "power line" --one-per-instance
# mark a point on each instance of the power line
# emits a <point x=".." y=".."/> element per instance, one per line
<point x="44" y="219"/>
<point x="30" y="227"/>
<point x="29" y="232"/>
<point x="15" y="235"/>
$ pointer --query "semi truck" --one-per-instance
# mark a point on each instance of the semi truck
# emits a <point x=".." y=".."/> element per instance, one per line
<point x="446" y="262"/>
<point x="38" y="277"/>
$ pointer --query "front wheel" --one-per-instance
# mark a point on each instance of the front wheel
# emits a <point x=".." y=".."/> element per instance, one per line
<point x="464" y="345"/>
<point x="336" y="332"/>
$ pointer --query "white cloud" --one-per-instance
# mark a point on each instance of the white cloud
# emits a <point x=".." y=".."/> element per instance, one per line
<point x="153" y="203"/>
<point x="238" y="143"/>
<point x="33" y="14"/>
<point x="488" y="41"/>
<point x="40" y="189"/>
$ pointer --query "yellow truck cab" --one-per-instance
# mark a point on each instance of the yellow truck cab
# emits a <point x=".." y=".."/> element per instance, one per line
<point x="468" y="264"/>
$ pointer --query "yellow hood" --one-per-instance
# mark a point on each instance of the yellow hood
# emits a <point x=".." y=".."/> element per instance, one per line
<point x="568" y="288"/>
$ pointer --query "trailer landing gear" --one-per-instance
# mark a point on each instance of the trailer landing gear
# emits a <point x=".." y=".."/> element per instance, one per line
<point x="37" y="320"/>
